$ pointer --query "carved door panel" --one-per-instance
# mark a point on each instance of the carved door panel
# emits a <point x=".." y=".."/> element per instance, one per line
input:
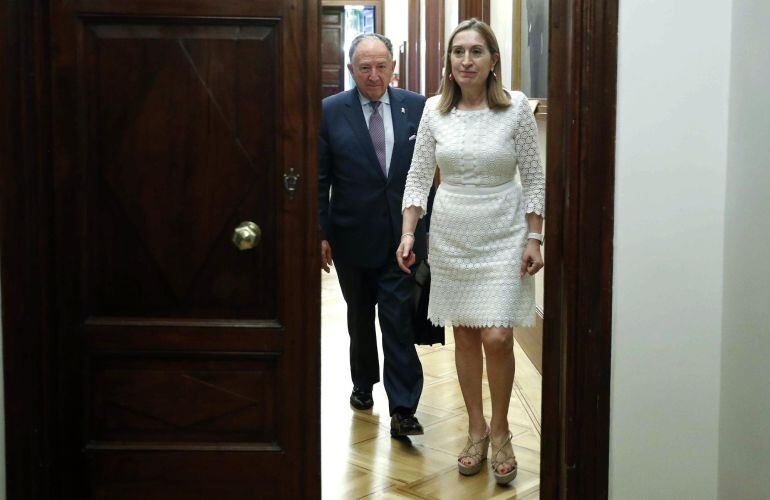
<point x="188" y="368"/>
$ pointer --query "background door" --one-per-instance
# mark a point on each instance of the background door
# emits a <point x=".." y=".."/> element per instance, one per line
<point x="186" y="368"/>
<point x="332" y="55"/>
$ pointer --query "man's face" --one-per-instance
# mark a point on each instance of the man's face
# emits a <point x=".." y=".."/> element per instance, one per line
<point x="372" y="68"/>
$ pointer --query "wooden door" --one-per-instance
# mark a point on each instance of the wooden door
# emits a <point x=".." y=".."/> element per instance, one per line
<point x="332" y="51"/>
<point x="187" y="368"/>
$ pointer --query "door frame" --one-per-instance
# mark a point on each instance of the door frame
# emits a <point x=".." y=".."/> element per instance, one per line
<point x="578" y="284"/>
<point x="580" y="180"/>
<point x="27" y="264"/>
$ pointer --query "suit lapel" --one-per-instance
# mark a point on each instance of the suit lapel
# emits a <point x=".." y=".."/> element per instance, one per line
<point x="399" y="131"/>
<point x="355" y="116"/>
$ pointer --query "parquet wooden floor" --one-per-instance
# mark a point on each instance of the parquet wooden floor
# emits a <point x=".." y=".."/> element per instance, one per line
<point x="361" y="460"/>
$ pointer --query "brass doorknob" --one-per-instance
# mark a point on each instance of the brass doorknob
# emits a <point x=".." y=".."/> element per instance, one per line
<point x="247" y="235"/>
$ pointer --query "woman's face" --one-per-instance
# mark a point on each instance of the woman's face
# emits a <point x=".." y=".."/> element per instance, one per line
<point x="471" y="60"/>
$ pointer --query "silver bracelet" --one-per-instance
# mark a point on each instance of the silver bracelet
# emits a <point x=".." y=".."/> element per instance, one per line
<point x="536" y="236"/>
<point x="407" y="234"/>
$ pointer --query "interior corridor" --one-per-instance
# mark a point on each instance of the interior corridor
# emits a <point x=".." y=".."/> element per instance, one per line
<point x="361" y="460"/>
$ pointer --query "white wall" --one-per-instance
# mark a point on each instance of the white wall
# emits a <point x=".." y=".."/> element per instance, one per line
<point x="744" y="440"/>
<point x="396" y="24"/>
<point x="501" y="21"/>
<point x="525" y="63"/>
<point x="451" y="18"/>
<point x="673" y="78"/>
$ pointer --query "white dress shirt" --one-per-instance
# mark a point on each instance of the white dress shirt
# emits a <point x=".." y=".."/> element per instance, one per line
<point x="387" y="121"/>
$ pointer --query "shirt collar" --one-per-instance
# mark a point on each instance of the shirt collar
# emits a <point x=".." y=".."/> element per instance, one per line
<point x="385" y="99"/>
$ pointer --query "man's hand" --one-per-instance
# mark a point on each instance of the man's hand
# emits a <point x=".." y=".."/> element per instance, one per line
<point x="326" y="256"/>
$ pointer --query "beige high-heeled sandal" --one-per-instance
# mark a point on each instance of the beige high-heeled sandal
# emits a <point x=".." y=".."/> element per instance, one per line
<point x="475" y="450"/>
<point x="509" y="459"/>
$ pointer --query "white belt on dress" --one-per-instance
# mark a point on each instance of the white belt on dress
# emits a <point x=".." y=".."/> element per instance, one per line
<point x="475" y="189"/>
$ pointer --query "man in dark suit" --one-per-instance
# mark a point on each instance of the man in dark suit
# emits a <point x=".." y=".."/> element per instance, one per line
<point x="366" y="141"/>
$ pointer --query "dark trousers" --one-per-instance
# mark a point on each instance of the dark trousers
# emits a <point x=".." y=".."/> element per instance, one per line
<point x="391" y="290"/>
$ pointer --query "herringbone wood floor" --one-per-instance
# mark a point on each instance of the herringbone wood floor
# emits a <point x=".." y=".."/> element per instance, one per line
<point x="361" y="460"/>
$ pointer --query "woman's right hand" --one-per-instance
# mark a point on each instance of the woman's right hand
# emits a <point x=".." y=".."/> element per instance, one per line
<point x="404" y="255"/>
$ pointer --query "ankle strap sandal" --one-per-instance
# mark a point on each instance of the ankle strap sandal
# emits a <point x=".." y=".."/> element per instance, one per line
<point x="502" y="457"/>
<point x="476" y="451"/>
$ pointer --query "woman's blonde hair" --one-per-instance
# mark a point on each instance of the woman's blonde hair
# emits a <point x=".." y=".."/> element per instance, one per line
<point x="450" y="92"/>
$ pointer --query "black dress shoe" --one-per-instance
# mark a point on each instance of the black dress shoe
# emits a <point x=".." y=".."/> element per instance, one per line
<point x="404" y="425"/>
<point x="360" y="399"/>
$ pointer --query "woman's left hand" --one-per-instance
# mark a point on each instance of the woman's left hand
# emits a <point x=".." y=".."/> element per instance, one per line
<point x="405" y="255"/>
<point x="531" y="260"/>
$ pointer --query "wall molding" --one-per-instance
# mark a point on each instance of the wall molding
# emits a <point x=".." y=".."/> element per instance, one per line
<point x="531" y="340"/>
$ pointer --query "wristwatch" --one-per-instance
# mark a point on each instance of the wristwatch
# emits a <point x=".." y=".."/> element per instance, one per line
<point x="536" y="236"/>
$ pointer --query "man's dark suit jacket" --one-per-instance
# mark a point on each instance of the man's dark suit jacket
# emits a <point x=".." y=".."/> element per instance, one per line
<point x="362" y="218"/>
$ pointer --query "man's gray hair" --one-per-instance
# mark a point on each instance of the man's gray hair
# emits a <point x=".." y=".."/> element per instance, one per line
<point x="370" y="36"/>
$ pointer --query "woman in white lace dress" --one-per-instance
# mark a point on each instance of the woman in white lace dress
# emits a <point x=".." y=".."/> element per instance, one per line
<point x="485" y="232"/>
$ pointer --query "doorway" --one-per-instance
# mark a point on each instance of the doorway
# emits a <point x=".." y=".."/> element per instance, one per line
<point x="359" y="457"/>
<point x="340" y="24"/>
<point x="574" y="347"/>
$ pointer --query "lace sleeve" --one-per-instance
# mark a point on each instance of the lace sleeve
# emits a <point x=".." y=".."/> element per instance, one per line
<point x="420" y="177"/>
<point x="528" y="159"/>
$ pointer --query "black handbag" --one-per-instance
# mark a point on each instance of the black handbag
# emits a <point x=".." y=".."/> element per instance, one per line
<point x="425" y="333"/>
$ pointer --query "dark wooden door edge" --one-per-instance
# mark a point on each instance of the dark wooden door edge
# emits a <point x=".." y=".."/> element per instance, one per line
<point x="312" y="375"/>
<point x="26" y="264"/>
<point x="578" y="284"/>
<point x="531" y="340"/>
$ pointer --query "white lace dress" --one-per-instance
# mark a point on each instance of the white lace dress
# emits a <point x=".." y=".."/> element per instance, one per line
<point x="478" y="227"/>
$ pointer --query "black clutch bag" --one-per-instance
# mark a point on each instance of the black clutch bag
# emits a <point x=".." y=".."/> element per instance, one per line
<point x="425" y="333"/>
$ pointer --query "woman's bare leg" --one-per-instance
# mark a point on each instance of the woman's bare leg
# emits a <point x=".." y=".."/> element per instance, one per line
<point x="501" y="366"/>
<point x="469" y="363"/>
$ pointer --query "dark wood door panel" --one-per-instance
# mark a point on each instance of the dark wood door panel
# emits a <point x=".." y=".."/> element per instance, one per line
<point x="172" y="123"/>
<point x="159" y="476"/>
<point x="331" y="39"/>
<point x="194" y="400"/>
<point x="188" y="8"/>
<point x="183" y="124"/>
<point x="105" y="335"/>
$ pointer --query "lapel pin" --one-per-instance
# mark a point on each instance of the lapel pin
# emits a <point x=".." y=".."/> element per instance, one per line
<point x="403" y="111"/>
